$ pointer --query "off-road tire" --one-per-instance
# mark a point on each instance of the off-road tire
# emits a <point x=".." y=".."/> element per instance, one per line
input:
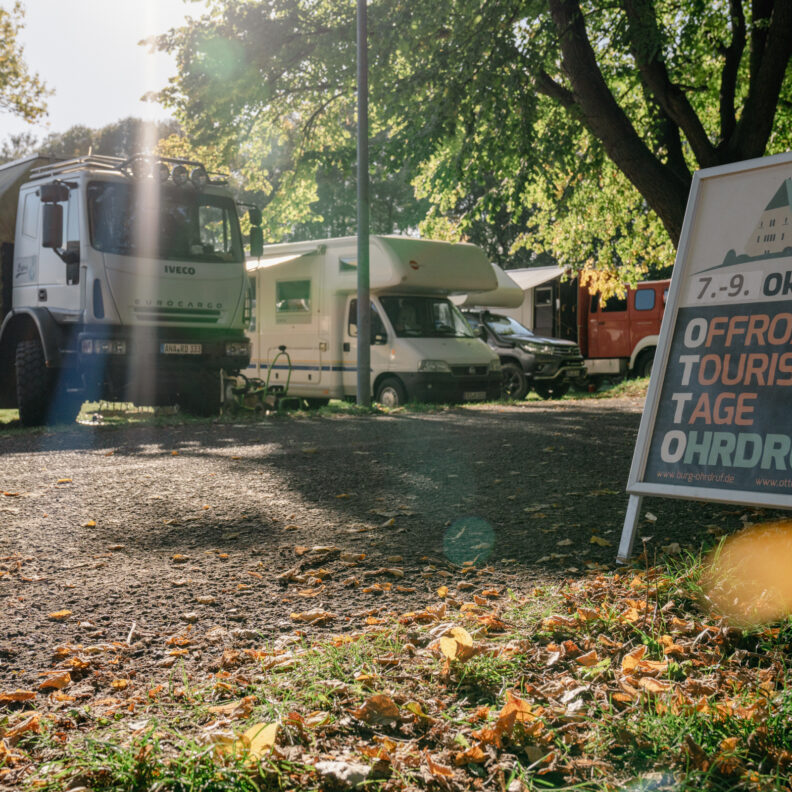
<point x="551" y="390"/>
<point x="391" y="393"/>
<point x="33" y="383"/>
<point x="644" y="364"/>
<point x="514" y="384"/>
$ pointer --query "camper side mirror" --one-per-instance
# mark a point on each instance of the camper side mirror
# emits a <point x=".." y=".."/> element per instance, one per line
<point x="481" y="332"/>
<point x="254" y="215"/>
<point x="256" y="241"/>
<point x="52" y="225"/>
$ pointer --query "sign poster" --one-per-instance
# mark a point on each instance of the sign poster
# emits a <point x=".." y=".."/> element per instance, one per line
<point x="718" y="418"/>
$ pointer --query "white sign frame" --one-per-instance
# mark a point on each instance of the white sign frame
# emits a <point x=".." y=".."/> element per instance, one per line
<point x="757" y="172"/>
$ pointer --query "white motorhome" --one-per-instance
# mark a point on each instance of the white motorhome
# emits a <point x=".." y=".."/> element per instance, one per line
<point x="422" y="349"/>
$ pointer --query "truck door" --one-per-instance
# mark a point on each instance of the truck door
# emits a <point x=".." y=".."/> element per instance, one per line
<point x="379" y="346"/>
<point x="646" y="313"/>
<point x="608" y="327"/>
<point x="59" y="282"/>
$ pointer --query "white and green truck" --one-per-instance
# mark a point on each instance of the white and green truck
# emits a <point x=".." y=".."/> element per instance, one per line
<point x="120" y="280"/>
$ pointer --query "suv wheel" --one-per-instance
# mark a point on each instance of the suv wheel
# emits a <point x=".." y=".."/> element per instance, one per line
<point x="514" y="384"/>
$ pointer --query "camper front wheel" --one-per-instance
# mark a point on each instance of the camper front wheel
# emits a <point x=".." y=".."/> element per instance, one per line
<point x="391" y="393"/>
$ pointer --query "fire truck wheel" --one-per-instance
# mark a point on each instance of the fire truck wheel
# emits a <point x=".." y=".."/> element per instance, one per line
<point x="33" y="383"/>
<point x="643" y="366"/>
<point x="514" y="384"/>
<point x="391" y="393"/>
<point x="551" y="390"/>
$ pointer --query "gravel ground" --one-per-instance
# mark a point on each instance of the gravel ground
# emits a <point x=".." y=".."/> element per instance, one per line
<point x="205" y="535"/>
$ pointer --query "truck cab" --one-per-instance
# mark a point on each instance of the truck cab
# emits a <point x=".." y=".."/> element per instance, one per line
<point x="127" y="282"/>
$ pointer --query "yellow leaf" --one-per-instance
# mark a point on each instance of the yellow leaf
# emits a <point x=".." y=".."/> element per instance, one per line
<point x="60" y="615"/>
<point x="342" y="496"/>
<point x="121" y="684"/>
<point x="89" y="524"/>
<point x="651" y="685"/>
<point x="260" y="739"/>
<point x="598" y="540"/>
<point x="462" y="636"/>
<point x="377" y="709"/>
<point x="448" y="646"/>
<point x="442" y="592"/>
<point x="317" y="616"/>
<point x="57" y="681"/>
<point x="235" y="709"/>
<point x="588" y="659"/>
<point x="64" y="481"/>
<point x="630" y="661"/>
<point x="16" y="695"/>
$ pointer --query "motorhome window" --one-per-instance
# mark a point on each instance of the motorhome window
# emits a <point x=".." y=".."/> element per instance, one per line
<point x="644" y="299"/>
<point x="166" y="223"/>
<point x="30" y="215"/>
<point x="347" y="265"/>
<point x="615" y="303"/>
<point x="506" y="326"/>
<point x="425" y="317"/>
<point x="378" y="333"/>
<point x="293" y="298"/>
<point x="544" y="296"/>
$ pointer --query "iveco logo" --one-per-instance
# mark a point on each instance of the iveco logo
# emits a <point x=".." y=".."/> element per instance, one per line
<point x="172" y="269"/>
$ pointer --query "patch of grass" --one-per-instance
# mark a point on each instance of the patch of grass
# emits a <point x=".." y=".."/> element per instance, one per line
<point x="607" y="683"/>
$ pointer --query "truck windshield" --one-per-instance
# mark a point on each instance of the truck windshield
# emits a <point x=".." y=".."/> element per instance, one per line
<point x="167" y="223"/>
<point x="425" y="317"/>
<point x="506" y="326"/>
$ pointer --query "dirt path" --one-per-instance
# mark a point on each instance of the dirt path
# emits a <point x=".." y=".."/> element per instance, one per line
<point x="204" y="531"/>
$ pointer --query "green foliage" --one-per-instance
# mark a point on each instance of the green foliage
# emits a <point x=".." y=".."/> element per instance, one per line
<point x="21" y="93"/>
<point x="579" y="145"/>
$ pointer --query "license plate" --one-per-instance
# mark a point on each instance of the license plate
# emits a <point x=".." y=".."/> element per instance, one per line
<point x="180" y="349"/>
<point x="474" y="395"/>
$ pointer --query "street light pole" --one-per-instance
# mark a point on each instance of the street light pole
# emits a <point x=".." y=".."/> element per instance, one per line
<point x="363" y="294"/>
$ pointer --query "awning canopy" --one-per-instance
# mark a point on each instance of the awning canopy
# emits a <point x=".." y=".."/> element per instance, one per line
<point x="271" y="261"/>
<point x="531" y="277"/>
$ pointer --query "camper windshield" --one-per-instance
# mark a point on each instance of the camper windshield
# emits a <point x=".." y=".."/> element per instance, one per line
<point x="425" y="317"/>
<point x="506" y="326"/>
<point x="165" y="223"/>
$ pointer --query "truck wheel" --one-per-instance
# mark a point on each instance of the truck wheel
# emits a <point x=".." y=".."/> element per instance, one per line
<point x="514" y="385"/>
<point x="201" y="396"/>
<point x="643" y="366"/>
<point x="33" y="383"/>
<point x="391" y="393"/>
<point x="551" y="390"/>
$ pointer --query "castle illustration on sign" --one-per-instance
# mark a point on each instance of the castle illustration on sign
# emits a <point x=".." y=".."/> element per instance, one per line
<point x="772" y="235"/>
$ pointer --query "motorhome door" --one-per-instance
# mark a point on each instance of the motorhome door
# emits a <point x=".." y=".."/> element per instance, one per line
<point x="379" y="346"/>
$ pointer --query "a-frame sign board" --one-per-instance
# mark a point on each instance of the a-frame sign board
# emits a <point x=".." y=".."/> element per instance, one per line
<point x="717" y="425"/>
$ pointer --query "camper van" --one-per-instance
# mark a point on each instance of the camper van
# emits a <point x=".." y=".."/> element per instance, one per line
<point x="422" y="349"/>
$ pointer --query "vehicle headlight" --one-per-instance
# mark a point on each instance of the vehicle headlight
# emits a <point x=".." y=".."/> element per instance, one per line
<point x="495" y="364"/>
<point x="237" y="348"/>
<point x="102" y="346"/>
<point x="536" y="349"/>
<point x="434" y="365"/>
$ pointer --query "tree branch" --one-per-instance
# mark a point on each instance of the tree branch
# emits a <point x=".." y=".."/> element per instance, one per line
<point x="665" y="193"/>
<point x="646" y="46"/>
<point x="756" y="122"/>
<point x="732" y="56"/>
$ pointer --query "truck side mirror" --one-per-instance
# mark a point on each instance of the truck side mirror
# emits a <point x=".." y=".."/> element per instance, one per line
<point x="56" y="192"/>
<point x="481" y="332"/>
<point x="52" y="225"/>
<point x="256" y="241"/>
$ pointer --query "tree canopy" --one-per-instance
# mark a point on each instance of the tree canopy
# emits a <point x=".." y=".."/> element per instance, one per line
<point x="21" y="92"/>
<point x="575" y="124"/>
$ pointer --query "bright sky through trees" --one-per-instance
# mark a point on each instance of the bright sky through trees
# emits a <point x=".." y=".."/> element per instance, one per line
<point x="87" y="52"/>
